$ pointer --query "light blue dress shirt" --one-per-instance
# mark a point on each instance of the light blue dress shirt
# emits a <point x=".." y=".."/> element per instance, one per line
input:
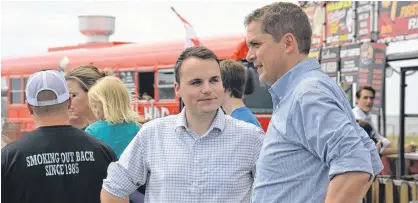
<point x="312" y="137"/>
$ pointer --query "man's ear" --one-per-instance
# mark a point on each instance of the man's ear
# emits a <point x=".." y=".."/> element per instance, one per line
<point x="177" y="89"/>
<point x="290" y="43"/>
<point x="29" y="108"/>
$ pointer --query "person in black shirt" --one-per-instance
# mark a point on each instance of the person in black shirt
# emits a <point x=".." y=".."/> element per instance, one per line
<point x="56" y="162"/>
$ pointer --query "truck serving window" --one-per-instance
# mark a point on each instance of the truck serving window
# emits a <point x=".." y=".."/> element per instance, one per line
<point x="16" y="91"/>
<point x="166" y="84"/>
<point x="259" y="101"/>
<point x="128" y="78"/>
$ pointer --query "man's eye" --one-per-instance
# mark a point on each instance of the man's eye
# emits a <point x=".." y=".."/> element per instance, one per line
<point x="214" y="80"/>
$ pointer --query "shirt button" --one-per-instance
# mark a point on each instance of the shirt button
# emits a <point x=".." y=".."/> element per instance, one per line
<point x="277" y="106"/>
<point x="196" y="161"/>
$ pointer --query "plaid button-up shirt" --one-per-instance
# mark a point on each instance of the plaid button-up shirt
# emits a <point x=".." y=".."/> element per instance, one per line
<point x="179" y="166"/>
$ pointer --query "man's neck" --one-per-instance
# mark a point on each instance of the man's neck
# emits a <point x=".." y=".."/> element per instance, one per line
<point x="51" y="121"/>
<point x="200" y="123"/>
<point x="292" y="61"/>
<point x="231" y="104"/>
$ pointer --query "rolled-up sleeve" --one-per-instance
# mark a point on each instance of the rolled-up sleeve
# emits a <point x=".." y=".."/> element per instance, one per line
<point x="130" y="172"/>
<point x="327" y="131"/>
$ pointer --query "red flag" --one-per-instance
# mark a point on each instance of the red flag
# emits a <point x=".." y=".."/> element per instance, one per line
<point x="240" y="51"/>
<point x="191" y="37"/>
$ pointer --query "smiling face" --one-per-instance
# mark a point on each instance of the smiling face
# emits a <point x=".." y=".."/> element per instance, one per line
<point x="200" y="86"/>
<point x="267" y="55"/>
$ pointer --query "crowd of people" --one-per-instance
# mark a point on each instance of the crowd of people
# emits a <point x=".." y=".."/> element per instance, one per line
<point x="89" y="147"/>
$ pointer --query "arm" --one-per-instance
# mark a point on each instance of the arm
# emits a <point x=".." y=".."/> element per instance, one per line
<point x="348" y="187"/>
<point x="130" y="172"/>
<point x="258" y="143"/>
<point x="389" y="148"/>
<point x="328" y="131"/>
<point x="106" y="197"/>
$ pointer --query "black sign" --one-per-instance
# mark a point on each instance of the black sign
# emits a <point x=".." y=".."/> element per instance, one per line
<point x="372" y="65"/>
<point x="364" y="20"/>
<point x="128" y="78"/>
<point x="330" y="57"/>
<point x="350" y="62"/>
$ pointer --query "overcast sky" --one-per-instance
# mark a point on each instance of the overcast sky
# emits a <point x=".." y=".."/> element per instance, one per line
<point x="31" y="27"/>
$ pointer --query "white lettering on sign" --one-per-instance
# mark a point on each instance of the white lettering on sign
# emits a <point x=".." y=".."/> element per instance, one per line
<point x="151" y="112"/>
<point x="64" y="163"/>
<point x="350" y="52"/>
<point x="413" y="23"/>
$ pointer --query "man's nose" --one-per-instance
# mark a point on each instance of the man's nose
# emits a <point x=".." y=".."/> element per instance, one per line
<point x="206" y="88"/>
<point x="250" y="57"/>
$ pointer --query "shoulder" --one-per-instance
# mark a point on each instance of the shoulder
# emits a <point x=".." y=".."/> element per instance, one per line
<point x="318" y="83"/>
<point x="243" y="129"/>
<point x="159" y="124"/>
<point x="97" y="124"/>
<point x="26" y="139"/>
<point x="358" y="114"/>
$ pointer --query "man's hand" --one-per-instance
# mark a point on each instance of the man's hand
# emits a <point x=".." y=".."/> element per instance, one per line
<point x="348" y="187"/>
<point x="106" y="197"/>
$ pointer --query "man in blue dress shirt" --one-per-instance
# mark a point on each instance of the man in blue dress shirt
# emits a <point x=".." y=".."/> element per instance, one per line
<point x="314" y="151"/>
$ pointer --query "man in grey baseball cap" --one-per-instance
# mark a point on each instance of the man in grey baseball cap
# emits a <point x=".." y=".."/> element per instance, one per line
<point x="56" y="162"/>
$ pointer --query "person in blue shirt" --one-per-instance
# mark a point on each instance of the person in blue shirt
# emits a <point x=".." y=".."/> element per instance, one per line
<point x="234" y="77"/>
<point x="116" y="123"/>
<point x="313" y="150"/>
<point x="116" y="120"/>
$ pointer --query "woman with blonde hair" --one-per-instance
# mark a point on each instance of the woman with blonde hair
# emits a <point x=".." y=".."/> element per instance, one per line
<point x="79" y="81"/>
<point x="116" y="120"/>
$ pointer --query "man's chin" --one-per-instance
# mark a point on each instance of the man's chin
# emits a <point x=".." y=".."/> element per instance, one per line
<point x="367" y="110"/>
<point x="209" y="109"/>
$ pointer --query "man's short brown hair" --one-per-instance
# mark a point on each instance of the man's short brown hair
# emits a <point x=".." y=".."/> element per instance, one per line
<point x="46" y="95"/>
<point x="281" y="18"/>
<point x="234" y="76"/>
<point x="198" y="52"/>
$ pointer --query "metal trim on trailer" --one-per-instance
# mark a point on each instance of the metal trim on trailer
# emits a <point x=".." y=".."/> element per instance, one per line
<point x="401" y="139"/>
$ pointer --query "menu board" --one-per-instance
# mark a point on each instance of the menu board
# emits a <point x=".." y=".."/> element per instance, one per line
<point x="350" y="62"/>
<point x="128" y="78"/>
<point x="340" y="23"/>
<point x="330" y="57"/>
<point x="398" y="20"/>
<point x="372" y="65"/>
<point x="364" y="20"/>
<point x="316" y="16"/>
